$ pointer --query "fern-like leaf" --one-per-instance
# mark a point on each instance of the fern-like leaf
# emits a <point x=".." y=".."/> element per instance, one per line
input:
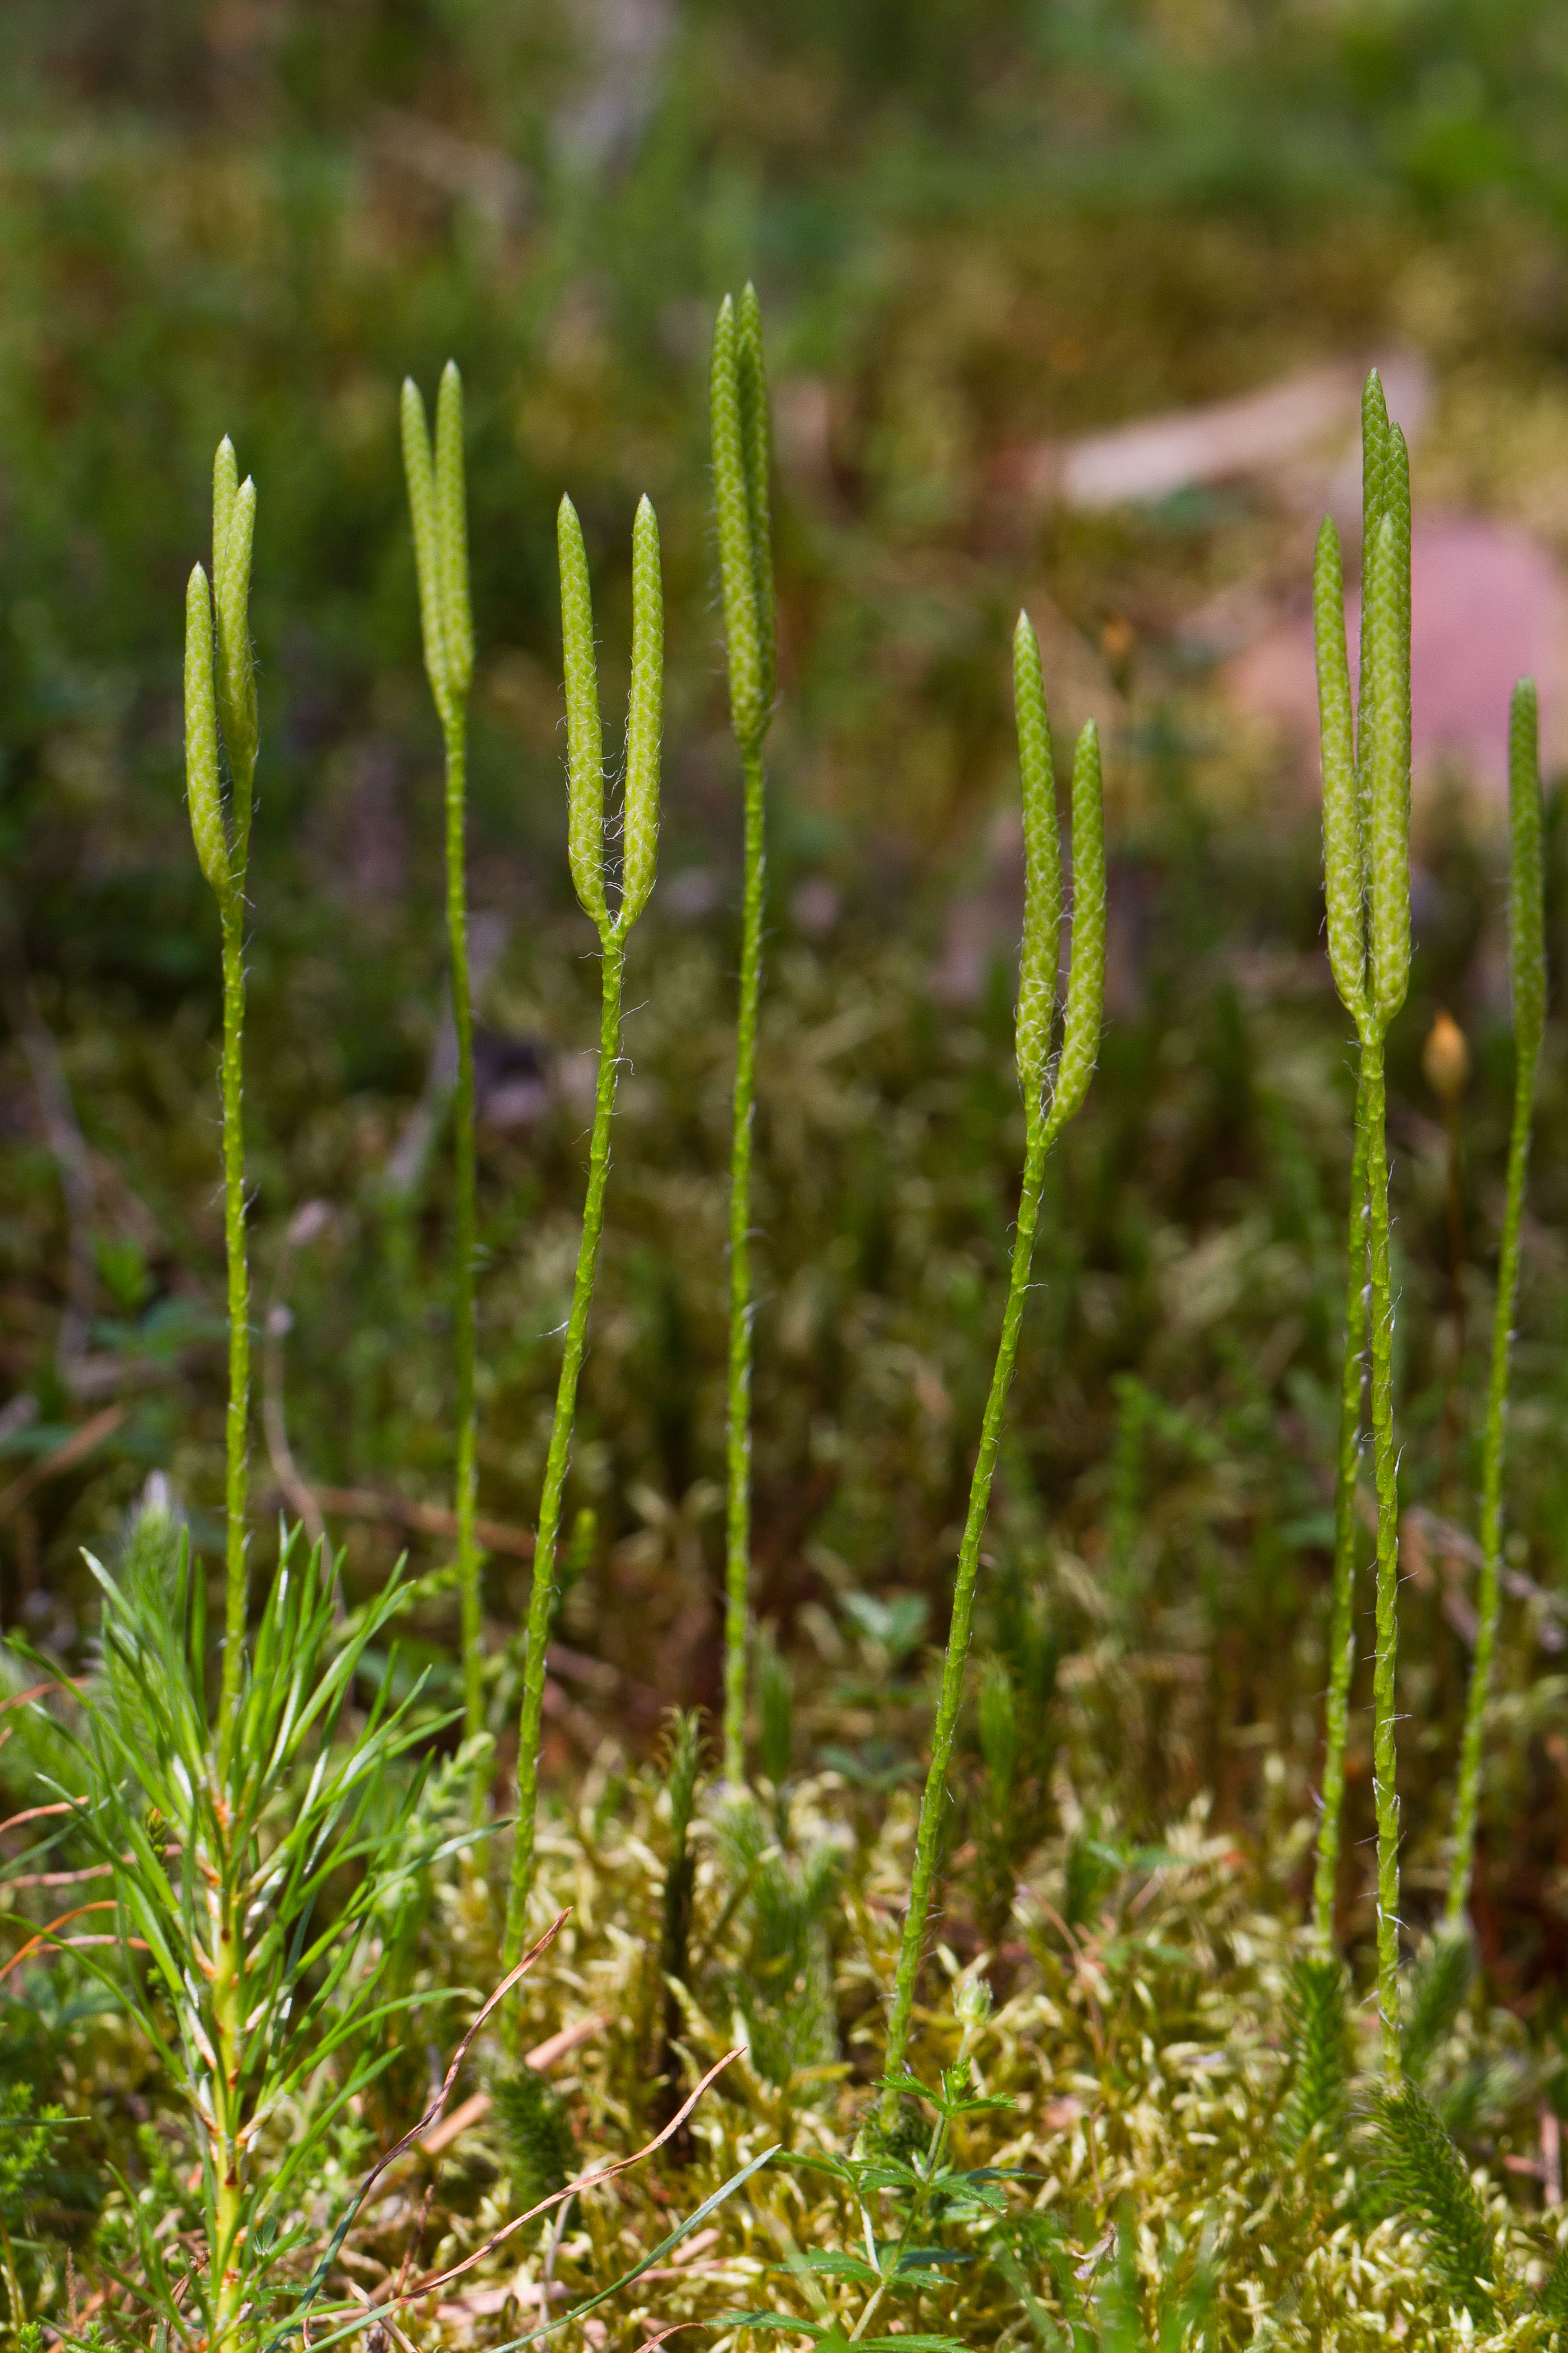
<point x="1425" y="2179"/>
<point x="1320" y="2052"/>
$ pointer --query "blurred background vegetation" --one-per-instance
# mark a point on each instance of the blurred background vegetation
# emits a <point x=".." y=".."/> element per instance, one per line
<point x="978" y="227"/>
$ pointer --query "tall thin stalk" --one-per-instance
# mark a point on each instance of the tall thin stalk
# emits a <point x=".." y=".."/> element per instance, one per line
<point x="1527" y="944"/>
<point x="1341" y="1624"/>
<point x="585" y="837"/>
<point x="741" y="469"/>
<point x="220" y="698"/>
<point x="1046" y="1113"/>
<point x="437" y="505"/>
<point x="1366" y="860"/>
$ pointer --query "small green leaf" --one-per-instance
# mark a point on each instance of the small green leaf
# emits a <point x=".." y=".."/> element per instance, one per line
<point x="784" y="2320"/>
<point x="836" y="2266"/>
<point x="912" y="2343"/>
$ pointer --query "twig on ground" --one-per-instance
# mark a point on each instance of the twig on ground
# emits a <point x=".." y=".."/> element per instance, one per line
<point x="75" y="1449"/>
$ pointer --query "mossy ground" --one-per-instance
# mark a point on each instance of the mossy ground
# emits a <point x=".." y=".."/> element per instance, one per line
<point x="971" y="234"/>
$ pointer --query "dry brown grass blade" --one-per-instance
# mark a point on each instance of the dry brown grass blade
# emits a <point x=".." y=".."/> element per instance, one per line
<point x="461" y="2052"/>
<point x="423" y="2123"/>
<point x="425" y="2287"/>
<point x="79" y="1444"/>
<point x="541" y="2059"/>
<point x="45" y="1936"/>
<point x="36" y="1813"/>
<point x="420" y="1519"/>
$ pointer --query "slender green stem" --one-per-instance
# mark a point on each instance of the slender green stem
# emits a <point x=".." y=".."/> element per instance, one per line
<point x="1386" y="1469"/>
<point x="1468" y="1798"/>
<point x="933" y="1799"/>
<point x="738" y="1524"/>
<point x="1342" y="1632"/>
<point x="232" y="909"/>
<point x="543" y="1594"/>
<point x="228" y="2270"/>
<point x="463" y="1125"/>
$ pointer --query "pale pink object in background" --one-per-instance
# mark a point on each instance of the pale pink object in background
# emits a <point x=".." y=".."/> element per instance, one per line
<point x="1487" y="602"/>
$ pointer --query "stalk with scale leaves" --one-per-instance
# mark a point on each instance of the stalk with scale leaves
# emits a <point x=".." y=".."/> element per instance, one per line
<point x="1366" y="858"/>
<point x="439" y="507"/>
<point x="1527" y="958"/>
<point x="1049" y="1104"/>
<point x="1344" y="791"/>
<point x="741" y="469"/>
<point x="585" y="840"/>
<point x="220" y="701"/>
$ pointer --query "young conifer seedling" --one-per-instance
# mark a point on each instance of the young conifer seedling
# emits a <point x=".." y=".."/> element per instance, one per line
<point x="264" y="2003"/>
<point x="1366" y="859"/>
<point x="438" y="504"/>
<point x="1527" y="956"/>
<point x="1049" y="1102"/>
<point x="741" y="468"/>
<point x="220" y="704"/>
<point x="586" y="843"/>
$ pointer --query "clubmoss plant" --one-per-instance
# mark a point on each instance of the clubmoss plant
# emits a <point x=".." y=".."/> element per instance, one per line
<point x="586" y="843"/>
<point x="1018" y="1723"/>
<point x="1323" y="2055"/>
<point x="1044" y="1121"/>
<point x="1439" y="1986"/>
<point x="438" y="506"/>
<point x="683" y="1767"/>
<point x="220" y="706"/>
<point x="1425" y="2177"/>
<point x="537" y="2132"/>
<point x="775" y="1718"/>
<point x="1366" y="859"/>
<point x="741" y="460"/>
<point x="1526" y="952"/>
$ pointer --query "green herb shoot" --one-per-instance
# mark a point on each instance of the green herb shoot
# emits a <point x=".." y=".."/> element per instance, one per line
<point x="1049" y="1102"/>
<point x="585" y="842"/>
<point x="1366" y="859"/>
<point x="220" y="701"/>
<point x="438" y="504"/>
<point x="741" y="469"/>
<point x="1527" y="954"/>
